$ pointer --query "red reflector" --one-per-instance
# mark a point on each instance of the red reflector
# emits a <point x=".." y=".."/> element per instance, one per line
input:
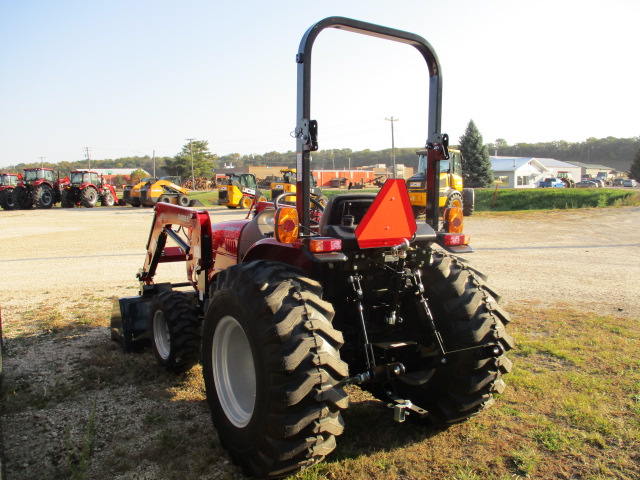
<point x="456" y="239"/>
<point x="325" y="245"/>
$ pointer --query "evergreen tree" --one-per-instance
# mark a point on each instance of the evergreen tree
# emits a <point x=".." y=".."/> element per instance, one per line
<point x="634" y="171"/>
<point x="476" y="166"/>
<point x="197" y="152"/>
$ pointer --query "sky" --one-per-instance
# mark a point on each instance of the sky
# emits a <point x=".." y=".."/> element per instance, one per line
<point x="137" y="77"/>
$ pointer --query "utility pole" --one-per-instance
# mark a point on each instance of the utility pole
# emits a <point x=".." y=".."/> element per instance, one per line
<point x="193" y="177"/>
<point x="41" y="161"/>
<point x="154" y="164"/>
<point x="88" y="154"/>
<point x="393" y="145"/>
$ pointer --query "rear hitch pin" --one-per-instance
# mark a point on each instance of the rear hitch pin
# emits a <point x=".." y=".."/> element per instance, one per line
<point x="400" y="410"/>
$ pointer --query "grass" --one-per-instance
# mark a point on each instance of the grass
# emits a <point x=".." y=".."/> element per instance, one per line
<point x="571" y="409"/>
<point x="491" y="199"/>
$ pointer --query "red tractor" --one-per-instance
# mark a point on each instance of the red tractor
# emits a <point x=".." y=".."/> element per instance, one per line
<point x="86" y="188"/>
<point x="38" y="188"/>
<point x="286" y="309"/>
<point x="8" y="182"/>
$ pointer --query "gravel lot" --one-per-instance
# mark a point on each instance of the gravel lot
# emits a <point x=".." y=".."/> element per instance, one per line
<point x="586" y="259"/>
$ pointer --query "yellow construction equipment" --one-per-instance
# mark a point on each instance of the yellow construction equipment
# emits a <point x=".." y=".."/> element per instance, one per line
<point x="239" y="190"/>
<point x="452" y="193"/>
<point x="288" y="185"/>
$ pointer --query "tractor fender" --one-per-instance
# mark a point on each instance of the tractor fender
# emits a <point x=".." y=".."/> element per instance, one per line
<point x="271" y="249"/>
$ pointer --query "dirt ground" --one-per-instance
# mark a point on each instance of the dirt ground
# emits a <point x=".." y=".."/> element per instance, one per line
<point x="585" y="259"/>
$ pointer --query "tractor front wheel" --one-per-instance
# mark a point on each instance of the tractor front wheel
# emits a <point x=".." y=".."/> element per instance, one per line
<point x="89" y="197"/>
<point x="271" y="362"/>
<point x="64" y="199"/>
<point x="107" y="199"/>
<point x="22" y="199"/>
<point x="175" y="331"/>
<point x="6" y="199"/>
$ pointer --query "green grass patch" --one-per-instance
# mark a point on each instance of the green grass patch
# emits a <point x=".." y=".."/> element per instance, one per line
<point x="490" y="199"/>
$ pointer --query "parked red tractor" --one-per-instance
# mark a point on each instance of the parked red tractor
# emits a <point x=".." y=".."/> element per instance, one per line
<point x="85" y="188"/>
<point x="8" y="182"/>
<point x="38" y="188"/>
<point x="284" y="311"/>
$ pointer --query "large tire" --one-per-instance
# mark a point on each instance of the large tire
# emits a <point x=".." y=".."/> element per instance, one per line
<point x="64" y="199"/>
<point x="43" y="196"/>
<point x="107" y="199"/>
<point x="468" y="201"/>
<point x="183" y="201"/>
<point x="245" y="202"/>
<point x="467" y="315"/>
<point x="89" y="197"/>
<point x="454" y="199"/>
<point x="22" y="199"/>
<point x="6" y="199"/>
<point x="175" y="331"/>
<point x="271" y="364"/>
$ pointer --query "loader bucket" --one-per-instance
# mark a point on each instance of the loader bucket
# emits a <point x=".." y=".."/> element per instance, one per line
<point x="131" y="322"/>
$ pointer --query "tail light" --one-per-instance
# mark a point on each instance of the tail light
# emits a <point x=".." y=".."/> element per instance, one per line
<point x="286" y="224"/>
<point x="325" y="244"/>
<point x="453" y="220"/>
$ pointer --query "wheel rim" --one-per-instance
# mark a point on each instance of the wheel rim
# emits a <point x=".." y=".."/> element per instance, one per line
<point x="161" y="335"/>
<point x="234" y="371"/>
<point x="46" y="197"/>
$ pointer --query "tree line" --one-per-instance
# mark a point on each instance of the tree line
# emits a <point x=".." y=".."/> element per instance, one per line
<point x="617" y="153"/>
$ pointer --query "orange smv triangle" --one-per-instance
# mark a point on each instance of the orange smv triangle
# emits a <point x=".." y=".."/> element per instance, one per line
<point x="389" y="220"/>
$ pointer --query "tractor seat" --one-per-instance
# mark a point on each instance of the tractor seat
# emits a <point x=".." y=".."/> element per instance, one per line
<point x="344" y="211"/>
<point x="261" y="226"/>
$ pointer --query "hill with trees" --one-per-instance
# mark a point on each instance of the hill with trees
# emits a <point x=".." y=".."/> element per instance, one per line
<point x="617" y="153"/>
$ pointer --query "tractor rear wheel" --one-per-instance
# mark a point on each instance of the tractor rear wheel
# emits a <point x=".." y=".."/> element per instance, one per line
<point x="107" y="199"/>
<point x="89" y="197"/>
<point x="175" y="331"/>
<point x="6" y="199"/>
<point x="271" y="362"/>
<point x="43" y="196"/>
<point x="467" y="314"/>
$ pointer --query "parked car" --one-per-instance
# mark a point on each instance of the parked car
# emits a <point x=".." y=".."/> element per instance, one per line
<point x="629" y="182"/>
<point x="586" y="184"/>
<point x="618" y="182"/>
<point x="599" y="182"/>
<point x="552" y="182"/>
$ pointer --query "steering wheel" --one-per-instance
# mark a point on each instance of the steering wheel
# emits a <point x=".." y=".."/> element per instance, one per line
<point x="315" y="212"/>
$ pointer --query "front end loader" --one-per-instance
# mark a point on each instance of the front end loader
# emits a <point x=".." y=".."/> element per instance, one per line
<point x="286" y="309"/>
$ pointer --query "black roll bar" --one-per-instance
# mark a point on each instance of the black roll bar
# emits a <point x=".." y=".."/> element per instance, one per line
<point x="306" y="129"/>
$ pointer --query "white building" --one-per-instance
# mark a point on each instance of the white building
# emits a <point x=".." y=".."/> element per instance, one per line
<point x="518" y="172"/>
<point x="527" y="172"/>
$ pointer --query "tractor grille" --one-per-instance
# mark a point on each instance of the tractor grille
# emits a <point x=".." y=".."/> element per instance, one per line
<point x="223" y="196"/>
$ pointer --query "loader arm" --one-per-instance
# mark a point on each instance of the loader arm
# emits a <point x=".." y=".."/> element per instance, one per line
<point x="193" y="239"/>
